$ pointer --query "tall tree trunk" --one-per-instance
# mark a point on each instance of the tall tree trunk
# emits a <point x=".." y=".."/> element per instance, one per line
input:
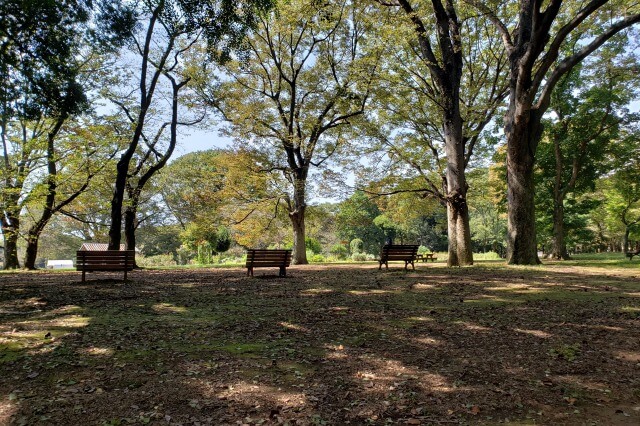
<point x="459" y="232"/>
<point x="625" y="239"/>
<point x="559" y="246"/>
<point x="115" y="229"/>
<point x="523" y="129"/>
<point x="10" y="227"/>
<point x="296" y="214"/>
<point x="33" y="235"/>
<point x="130" y="227"/>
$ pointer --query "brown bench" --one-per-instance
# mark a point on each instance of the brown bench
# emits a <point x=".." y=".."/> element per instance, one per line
<point x="262" y="258"/>
<point x="630" y="254"/>
<point x="105" y="260"/>
<point x="405" y="253"/>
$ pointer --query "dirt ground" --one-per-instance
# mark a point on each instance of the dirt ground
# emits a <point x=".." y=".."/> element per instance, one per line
<point x="327" y="345"/>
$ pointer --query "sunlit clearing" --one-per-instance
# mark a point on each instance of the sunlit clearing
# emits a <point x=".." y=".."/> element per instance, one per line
<point x="480" y="300"/>
<point x="74" y="321"/>
<point x="369" y="292"/>
<point x="472" y="327"/>
<point x="518" y="289"/>
<point x="387" y="374"/>
<point x="94" y="351"/>
<point x="536" y="333"/>
<point x="420" y="319"/>
<point x="294" y="326"/>
<point x="8" y="408"/>
<point x="69" y="309"/>
<point x="339" y="308"/>
<point x="167" y="308"/>
<point x="314" y="291"/>
<point x="581" y="382"/>
<point x="335" y="352"/>
<point x="421" y="286"/>
<point x="630" y="309"/>
<point x="429" y="341"/>
<point x="628" y="356"/>
<point x="606" y="327"/>
<point x="263" y="394"/>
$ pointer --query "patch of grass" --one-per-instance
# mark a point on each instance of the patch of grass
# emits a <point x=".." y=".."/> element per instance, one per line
<point x="10" y="351"/>
<point x="566" y="352"/>
<point x="244" y="348"/>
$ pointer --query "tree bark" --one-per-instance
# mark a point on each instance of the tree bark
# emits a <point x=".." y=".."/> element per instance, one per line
<point x="446" y="73"/>
<point x="625" y="239"/>
<point x="33" y="235"/>
<point x="146" y="90"/>
<point x="10" y="227"/>
<point x="459" y="231"/>
<point x="559" y="246"/>
<point x="296" y="214"/>
<point x="130" y="229"/>
<point x="523" y="129"/>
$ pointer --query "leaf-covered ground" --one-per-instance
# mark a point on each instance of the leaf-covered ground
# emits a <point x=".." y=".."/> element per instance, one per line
<point x="328" y="345"/>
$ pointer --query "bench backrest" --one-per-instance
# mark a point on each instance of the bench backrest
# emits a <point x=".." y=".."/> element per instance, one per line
<point x="399" y="252"/>
<point x="116" y="260"/>
<point x="263" y="257"/>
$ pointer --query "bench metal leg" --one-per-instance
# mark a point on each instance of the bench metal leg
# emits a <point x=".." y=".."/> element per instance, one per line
<point x="83" y="272"/>
<point x="283" y="271"/>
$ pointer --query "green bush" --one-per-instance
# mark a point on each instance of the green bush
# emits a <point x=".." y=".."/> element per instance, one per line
<point x="313" y="245"/>
<point x="423" y="250"/>
<point x="359" y="257"/>
<point x="490" y="255"/>
<point x="339" y="251"/>
<point x="356" y="245"/>
<point x="317" y="258"/>
<point x="157" y="260"/>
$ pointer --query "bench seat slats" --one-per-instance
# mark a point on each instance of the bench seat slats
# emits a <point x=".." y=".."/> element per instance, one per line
<point x="263" y="258"/>
<point x="399" y="252"/>
<point x="105" y="260"/>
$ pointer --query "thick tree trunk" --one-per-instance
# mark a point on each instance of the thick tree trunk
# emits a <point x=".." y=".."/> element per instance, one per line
<point x="299" y="244"/>
<point x="10" y="227"/>
<point x="297" y="221"/>
<point x="115" y="229"/>
<point x="460" y="252"/>
<point x="459" y="232"/>
<point x="523" y="129"/>
<point x="31" y="253"/>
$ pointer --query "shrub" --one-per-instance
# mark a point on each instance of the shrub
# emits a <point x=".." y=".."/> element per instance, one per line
<point x="490" y="255"/>
<point x="157" y="260"/>
<point x="423" y="250"/>
<point x="359" y="257"/>
<point x="356" y="245"/>
<point x="313" y="245"/>
<point x="339" y="251"/>
<point x="318" y="258"/>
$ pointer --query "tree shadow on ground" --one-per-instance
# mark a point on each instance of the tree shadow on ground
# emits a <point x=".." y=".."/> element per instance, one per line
<point x="326" y="345"/>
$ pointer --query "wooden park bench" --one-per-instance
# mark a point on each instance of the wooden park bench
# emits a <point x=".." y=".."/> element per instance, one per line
<point x="405" y="253"/>
<point x="630" y="254"/>
<point x="262" y="258"/>
<point x="105" y="260"/>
